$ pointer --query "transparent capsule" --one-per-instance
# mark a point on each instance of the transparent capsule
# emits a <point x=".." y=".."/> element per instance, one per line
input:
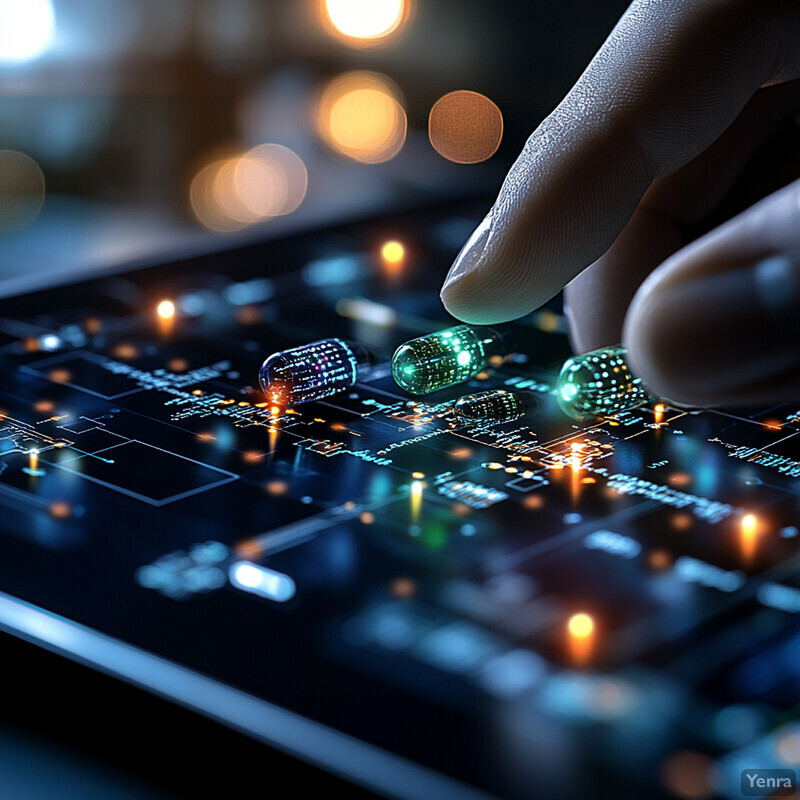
<point x="312" y="371"/>
<point x="494" y="407"/>
<point x="447" y="357"/>
<point x="599" y="383"/>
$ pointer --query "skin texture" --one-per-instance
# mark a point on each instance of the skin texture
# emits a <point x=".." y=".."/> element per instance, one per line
<point x="619" y="194"/>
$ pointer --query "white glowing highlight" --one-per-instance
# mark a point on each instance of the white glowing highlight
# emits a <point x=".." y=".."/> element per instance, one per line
<point x="262" y="581"/>
<point x="27" y="28"/>
<point x="365" y="19"/>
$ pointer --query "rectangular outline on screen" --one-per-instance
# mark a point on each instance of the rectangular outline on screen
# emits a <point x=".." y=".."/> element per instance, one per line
<point x="230" y="476"/>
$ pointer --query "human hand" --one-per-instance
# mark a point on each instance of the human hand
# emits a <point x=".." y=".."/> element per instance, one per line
<point x="658" y="137"/>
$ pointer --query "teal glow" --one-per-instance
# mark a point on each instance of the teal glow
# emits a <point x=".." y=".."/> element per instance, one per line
<point x="445" y="358"/>
<point x="599" y="384"/>
<point x="568" y="391"/>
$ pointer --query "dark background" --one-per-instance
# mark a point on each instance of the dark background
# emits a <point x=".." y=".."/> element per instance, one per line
<point x="129" y="100"/>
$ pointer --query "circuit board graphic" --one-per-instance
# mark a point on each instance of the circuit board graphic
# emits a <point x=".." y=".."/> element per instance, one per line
<point x="540" y="603"/>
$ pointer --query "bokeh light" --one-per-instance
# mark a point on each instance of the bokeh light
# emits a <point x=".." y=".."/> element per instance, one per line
<point x="365" y="21"/>
<point x="580" y="638"/>
<point x="787" y="746"/>
<point x="749" y="530"/>
<point x="581" y="625"/>
<point x="204" y="200"/>
<point x="689" y="775"/>
<point x="166" y="309"/>
<point x="360" y="115"/>
<point x="21" y="190"/>
<point x="26" y="29"/>
<point x="465" y="127"/>
<point x="268" y="181"/>
<point x="393" y="252"/>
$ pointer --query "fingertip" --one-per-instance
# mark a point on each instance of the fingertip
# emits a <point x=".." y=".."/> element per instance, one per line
<point x="480" y="298"/>
<point x="703" y="338"/>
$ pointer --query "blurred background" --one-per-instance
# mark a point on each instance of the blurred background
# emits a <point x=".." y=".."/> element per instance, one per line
<point x="135" y="128"/>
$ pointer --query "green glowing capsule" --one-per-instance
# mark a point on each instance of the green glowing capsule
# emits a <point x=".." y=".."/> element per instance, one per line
<point x="597" y="384"/>
<point x="445" y="358"/>
<point x="493" y="407"/>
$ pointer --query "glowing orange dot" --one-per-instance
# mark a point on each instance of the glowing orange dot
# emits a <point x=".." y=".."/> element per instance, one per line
<point x="93" y="325"/>
<point x="249" y="549"/>
<point x="60" y="510"/>
<point x="177" y="365"/>
<point x="402" y="588"/>
<point x="248" y="315"/>
<point x="166" y="309"/>
<point x="393" y="252"/>
<point x="252" y="456"/>
<point x="367" y="518"/>
<point x="125" y="351"/>
<point x="679" y="479"/>
<point x="749" y="534"/>
<point x="548" y="321"/>
<point x="689" y="775"/>
<point x="44" y="405"/>
<point x="460" y="453"/>
<point x="658" y="559"/>
<point x="277" y="488"/>
<point x="681" y="521"/>
<point x="494" y="465"/>
<point x="773" y="424"/>
<point x="360" y="116"/>
<point x="465" y="127"/>
<point x="580" y="625"/>
<point x="59" y="375"/>
<point x="533" y="501"/>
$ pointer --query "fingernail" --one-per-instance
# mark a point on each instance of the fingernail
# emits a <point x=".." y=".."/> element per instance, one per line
<point x="471" y="252"/>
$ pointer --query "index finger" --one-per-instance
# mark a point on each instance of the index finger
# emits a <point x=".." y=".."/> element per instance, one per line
<point x="670" y="78"/>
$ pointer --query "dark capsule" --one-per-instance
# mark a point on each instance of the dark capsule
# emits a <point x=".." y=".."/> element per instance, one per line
<point x="494" y="406"/>
<point x="312" y="371"/>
